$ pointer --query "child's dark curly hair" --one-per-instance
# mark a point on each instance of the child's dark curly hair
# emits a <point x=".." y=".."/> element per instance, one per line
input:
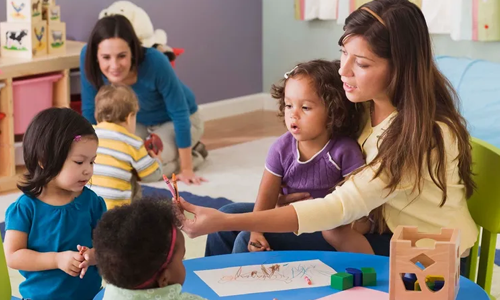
<point x="132" y="242"/>
<point x="344" y="116"/>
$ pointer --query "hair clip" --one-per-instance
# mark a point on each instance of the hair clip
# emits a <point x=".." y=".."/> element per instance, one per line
<point x="287" y="74"/>
<point x="77" y="138"/>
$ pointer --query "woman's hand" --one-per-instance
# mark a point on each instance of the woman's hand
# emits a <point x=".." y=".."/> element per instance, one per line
<point x="188" y="177"/>
<point x="284" y="200"/>
<point x="206" y="220"/>
<point x="258" y="242"/>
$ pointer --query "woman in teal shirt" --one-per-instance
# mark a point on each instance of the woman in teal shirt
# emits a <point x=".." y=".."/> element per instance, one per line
<point x="168" y="109"/>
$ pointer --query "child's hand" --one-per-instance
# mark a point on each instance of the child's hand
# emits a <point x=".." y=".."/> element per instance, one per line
<point x="258" y="242"/>
<point x="89" y="256"/>
<point x="69" y="262"/>
<point x="155" y="155"/>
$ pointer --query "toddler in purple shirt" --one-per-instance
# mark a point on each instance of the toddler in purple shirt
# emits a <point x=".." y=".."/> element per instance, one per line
<point x="318" y="150"/>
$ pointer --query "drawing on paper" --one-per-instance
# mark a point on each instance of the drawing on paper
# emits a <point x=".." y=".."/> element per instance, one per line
<point x="266" y="278"/>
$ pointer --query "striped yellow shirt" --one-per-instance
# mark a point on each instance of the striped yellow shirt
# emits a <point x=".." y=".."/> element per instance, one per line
<point x="120" y="153"/>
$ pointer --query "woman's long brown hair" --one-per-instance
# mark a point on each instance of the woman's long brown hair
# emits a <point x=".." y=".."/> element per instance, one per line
<point x="419" y="92"/>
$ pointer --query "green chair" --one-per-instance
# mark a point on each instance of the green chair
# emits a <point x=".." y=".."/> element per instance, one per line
<point x="484" y="206"/>
<point x="5" y="290"/>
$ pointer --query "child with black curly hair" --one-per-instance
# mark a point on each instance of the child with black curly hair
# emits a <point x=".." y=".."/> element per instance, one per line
<point x="136" y="263"/>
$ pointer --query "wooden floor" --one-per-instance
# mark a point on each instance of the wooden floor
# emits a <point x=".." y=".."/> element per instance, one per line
<point x="241" y="129"/>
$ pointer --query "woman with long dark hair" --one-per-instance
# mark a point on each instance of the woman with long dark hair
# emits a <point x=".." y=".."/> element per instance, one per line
<point x="415" y="142"/>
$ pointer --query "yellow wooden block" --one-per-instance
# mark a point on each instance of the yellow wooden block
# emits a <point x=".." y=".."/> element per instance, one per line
<point x="433" y="278"/>
<point x="23" y="39"/>
<point x="24" y="11"/>
<point x="57" y="38"/>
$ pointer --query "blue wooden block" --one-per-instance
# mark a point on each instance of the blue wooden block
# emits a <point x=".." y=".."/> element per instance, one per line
<point x="438" y="285"/>
<point x="409" y="281"/>
<point x="357" y="275"/>
<point x="411" y="276"/>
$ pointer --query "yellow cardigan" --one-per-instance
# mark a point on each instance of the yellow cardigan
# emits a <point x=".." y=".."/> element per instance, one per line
<point x="361" y="193"/>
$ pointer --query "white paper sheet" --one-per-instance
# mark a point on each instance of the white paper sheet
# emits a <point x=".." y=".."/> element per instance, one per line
<point x="267" y="278"/>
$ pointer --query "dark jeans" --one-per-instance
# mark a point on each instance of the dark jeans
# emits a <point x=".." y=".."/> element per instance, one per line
<point x="226" y="242"/>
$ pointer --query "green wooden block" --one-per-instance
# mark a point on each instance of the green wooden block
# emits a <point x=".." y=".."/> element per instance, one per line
<point x="342" y="281"/>
<point x="369" y="276"/>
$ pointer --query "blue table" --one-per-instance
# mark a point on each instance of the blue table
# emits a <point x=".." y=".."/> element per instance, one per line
<point x="337" y="260"/>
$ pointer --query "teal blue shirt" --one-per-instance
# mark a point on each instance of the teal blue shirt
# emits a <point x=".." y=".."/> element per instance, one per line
<point x="57" y="229"/>
<point x="162" y="96"/>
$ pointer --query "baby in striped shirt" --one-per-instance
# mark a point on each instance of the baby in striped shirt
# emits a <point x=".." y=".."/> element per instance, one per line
<point x="122" y="159"/>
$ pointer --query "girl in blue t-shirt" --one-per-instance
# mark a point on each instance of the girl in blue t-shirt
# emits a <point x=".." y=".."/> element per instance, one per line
<point x="49" y="228"/>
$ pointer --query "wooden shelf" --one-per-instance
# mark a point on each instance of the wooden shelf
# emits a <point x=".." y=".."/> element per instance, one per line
<point x="19" y="67"/>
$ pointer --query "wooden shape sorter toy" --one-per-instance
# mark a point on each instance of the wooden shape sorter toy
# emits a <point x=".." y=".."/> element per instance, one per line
<point x="23" y="39"/>
<point x="24" y="11"/>
<point x="425" y="256"/>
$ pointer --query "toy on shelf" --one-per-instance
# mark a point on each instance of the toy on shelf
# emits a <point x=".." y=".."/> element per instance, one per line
<point x="428" y="272"/>
<point x="57" y="37"/>
<point x="353" y="277"/>
<point x="56" y="29"/>
<point x="24" y="34"/>
<point x="24" y="11"/>
<point x="54" y="14"/>
<point x="46" y="4"/>
<point x="23" y="39"/>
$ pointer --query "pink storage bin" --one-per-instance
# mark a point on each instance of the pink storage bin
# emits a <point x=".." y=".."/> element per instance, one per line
<point x="31" y="96"/>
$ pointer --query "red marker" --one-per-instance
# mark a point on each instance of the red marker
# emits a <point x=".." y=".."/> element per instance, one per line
<point x="308" y="280"/>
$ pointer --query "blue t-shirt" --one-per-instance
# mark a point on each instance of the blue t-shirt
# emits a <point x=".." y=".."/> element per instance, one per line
<point x="162" y="96"/>
<point x="57" y="229"/>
